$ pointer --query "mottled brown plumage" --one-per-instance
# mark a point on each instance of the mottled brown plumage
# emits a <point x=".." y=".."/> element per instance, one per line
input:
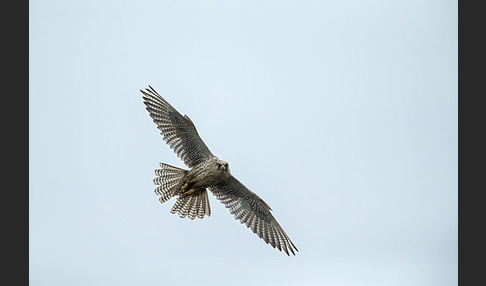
<point x="206" y="172"/>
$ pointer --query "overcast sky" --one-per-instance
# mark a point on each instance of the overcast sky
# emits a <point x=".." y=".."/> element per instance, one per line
<point x="341" y="115"/>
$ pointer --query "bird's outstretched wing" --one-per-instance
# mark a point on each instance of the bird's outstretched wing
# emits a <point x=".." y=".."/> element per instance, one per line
<point x="251" y="210"/>
<point x="178" y="131"/>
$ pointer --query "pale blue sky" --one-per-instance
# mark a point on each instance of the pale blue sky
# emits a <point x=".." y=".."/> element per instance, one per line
<point x="341" y="115"/>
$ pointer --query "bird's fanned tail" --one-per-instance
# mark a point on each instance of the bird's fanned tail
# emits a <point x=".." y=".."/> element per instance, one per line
<point x="192" y="206"/>
<point x="169" y="180"/>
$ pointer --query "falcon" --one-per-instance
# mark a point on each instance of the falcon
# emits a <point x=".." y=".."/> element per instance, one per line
<point x="206" y="172"/>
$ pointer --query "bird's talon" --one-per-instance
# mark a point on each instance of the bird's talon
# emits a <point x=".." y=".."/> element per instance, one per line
<point x="190" y="192"/>
<point x="184" y="187"/>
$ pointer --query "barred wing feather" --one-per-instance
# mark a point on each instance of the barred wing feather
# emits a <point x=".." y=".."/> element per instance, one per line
<point x="250" y="209"/>
<point x="177" y="130"/>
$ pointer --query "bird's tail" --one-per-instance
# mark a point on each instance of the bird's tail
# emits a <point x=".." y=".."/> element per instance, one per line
<point x="192" y="206"/>
<point x="169" y="181"/>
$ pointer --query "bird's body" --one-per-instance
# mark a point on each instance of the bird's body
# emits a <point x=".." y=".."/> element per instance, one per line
<point x="206" y="172"/>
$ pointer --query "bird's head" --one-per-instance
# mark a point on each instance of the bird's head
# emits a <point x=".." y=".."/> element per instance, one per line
<point x="222" y="166"/>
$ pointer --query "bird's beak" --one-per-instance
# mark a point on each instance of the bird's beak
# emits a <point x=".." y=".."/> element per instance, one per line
<point x="223" y="167"/>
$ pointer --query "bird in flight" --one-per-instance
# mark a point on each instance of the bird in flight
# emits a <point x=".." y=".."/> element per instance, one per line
<point x="206" y="172"/>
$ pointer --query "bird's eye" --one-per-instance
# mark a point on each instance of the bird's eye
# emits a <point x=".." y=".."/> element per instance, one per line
<point x="219" y="165"/>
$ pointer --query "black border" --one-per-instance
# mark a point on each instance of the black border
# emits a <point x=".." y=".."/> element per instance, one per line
<point x="470" y="144"/>
<point x="15" y="121"/>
